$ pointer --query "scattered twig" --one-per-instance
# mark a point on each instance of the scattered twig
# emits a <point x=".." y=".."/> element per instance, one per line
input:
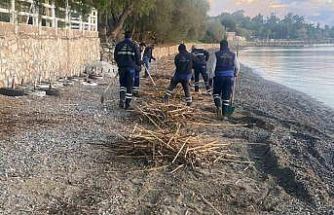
<point x="210" y="204"/>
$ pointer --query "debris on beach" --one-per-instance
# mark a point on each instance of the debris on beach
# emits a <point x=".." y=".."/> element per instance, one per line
<point x="161" y="114"/>
<point x="175" y="146"/>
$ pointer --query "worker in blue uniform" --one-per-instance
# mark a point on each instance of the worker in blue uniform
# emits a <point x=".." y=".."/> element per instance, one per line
<point x="183" y="63"/>
<point x="127" y="57"/>
<point x="201" y="58"/>
<point x="147" y="58"/>
<point x="226" y="68"/>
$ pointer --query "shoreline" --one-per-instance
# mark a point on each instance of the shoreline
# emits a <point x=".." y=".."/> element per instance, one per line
<point x="316" y="88"/>
<point x="275" y="95"/>
<point x="306" y="96"/>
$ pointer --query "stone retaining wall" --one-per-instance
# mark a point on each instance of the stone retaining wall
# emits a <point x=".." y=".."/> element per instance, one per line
<point x="160" y="52"/>
<point x="29" y="53"/>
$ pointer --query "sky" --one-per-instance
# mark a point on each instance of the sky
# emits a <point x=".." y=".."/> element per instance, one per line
<point x="321" y="11"/>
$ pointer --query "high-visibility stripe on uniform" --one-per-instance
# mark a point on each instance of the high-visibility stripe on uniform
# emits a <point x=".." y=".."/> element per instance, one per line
<point x="122" y="89"/>
<point x="126" y="53"/>
<point x="226" y="102"/>
<point x="128" y="96"/>
<point x="169" y="93"/>
<point x="189" y="99"/>
<point x="216" y="96"/>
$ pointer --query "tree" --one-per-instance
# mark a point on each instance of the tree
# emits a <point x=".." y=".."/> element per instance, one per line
<point x="229" y="23"/>
<point x="214" y="32"/>
<point x="114" y="13"/>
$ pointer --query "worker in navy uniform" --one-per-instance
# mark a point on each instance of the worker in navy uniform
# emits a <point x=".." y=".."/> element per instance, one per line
<point x="183" y="62"/>
<point x="142" y="47"/>
<point x="226" y="68"/>
<point x="147" y="58"/>
<point x="127" y="57"/>
<point x="136" y="84"/>
<point x="201" y="58"/>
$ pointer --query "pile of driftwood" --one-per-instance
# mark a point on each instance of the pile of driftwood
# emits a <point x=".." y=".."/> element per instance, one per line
<point x="178" y="146"/>
<point x="162" y="115"/>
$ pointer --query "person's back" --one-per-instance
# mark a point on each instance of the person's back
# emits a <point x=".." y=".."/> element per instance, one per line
<point x="183" y="63"/>
<point x="147" y="58"/>
<point x="226" y="66"/>
<point x="127" y="57"/>
<point x="201" y="56"/>
<point x="225" y="63"/>
<point x="127" y="54"/>
<point x="148" y="52"/>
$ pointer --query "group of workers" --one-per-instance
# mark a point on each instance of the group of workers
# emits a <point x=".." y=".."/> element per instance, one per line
<point x="130" y="58"/>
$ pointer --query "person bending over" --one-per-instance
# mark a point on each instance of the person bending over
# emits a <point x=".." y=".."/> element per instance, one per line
<point x="201" y="58"/>
<point x="183" y="63"/>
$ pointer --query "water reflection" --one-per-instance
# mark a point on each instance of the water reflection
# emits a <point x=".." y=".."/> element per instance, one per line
<point x="310" y="70"/>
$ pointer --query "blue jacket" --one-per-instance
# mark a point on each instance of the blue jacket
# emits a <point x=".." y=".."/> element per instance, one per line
<point x="127" y="54"/>
<point x="201" y="56"/>
<point x="225" y="63"/>
<point x="148" y="53"/>
<point x="184" y="63"/>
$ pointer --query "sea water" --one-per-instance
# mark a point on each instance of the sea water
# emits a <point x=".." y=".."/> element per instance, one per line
<point x="309" y="69"/>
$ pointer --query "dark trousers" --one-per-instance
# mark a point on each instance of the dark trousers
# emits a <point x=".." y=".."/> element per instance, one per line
<point x="147" y="65"/>
<point x="222" y="90"/>
<point x="136" y="81"/>
<point x="185" y="85"/>
<point x="126" y="80"/>
<point x="201" y="70"/>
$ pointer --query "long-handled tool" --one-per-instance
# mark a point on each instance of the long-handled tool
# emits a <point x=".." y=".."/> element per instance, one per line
<point x="149" y="75"/>
<point x="102" y="99"/>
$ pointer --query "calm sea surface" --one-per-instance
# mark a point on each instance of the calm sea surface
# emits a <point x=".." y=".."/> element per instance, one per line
<point x="309" y="70"/>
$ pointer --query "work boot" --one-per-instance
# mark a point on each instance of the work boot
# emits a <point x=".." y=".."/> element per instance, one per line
<point x="122" y="100"/>
<point x="189" y="101"/>
<point x="165" y="99"/>
<point x="128" y="107"/>
<point x="209" y="91"/>
<point x="136" y="94"/>
<point x="196" y="89"/>
<point x="225" y="110"/>
<point x="219" y="113"/>
<point x="121" y="104"/>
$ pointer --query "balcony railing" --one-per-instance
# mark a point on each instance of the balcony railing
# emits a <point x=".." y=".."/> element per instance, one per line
<point x="47" y="14"/>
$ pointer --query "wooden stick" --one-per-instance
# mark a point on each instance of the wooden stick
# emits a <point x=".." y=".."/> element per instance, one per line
<point x="177" y="168"/>
<point x="210" y="204"/>
<point x="154" y="123"/>
<point x="180" y="151"/>
<point x="236" y="161"/>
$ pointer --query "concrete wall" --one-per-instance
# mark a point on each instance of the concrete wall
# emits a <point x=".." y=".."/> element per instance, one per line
<point x="29" y="53"/>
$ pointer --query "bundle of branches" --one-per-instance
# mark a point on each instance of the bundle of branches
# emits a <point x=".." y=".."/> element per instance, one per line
<point x="161" y="114"/>
<point x="164" y="145"/>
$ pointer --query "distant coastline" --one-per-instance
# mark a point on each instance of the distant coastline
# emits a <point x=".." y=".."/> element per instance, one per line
<point x="290" y="43"/>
